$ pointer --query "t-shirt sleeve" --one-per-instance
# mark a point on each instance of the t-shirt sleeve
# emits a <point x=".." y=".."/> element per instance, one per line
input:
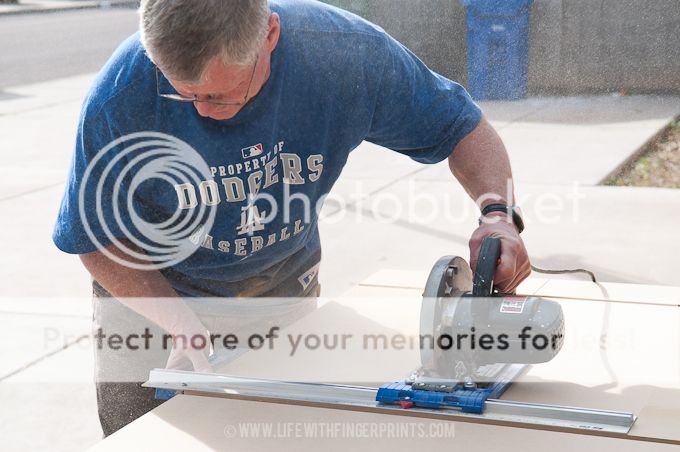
<point x="418" y="112"/>
<point x="93" y="210"/>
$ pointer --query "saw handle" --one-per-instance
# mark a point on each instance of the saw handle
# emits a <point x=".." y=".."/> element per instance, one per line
<point x="489" y="253"/>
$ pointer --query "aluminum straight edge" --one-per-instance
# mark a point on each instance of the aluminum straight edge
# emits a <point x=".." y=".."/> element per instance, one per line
<point x="560" y="416"/>
<point x="556" y="416"/>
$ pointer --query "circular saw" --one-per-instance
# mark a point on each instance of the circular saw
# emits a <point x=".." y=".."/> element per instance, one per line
<point x="470" y="334"/>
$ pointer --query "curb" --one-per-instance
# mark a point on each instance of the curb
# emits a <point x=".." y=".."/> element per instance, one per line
<point x="73" y="6"/>
<point x="642" y="150"/>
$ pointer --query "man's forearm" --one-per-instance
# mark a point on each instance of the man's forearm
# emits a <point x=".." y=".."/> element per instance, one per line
<point x="146" y="292"/>
<point x="123" y="281"/>
<point x="480" y="163"/>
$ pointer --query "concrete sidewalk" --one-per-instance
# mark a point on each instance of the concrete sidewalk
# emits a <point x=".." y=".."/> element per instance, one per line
<point x="560" y="149"/>
<point x="577" y="139"/>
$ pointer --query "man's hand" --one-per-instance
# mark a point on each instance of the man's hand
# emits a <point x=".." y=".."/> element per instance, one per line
<point x="190" y="350"/>
<point x="514" y="264"/>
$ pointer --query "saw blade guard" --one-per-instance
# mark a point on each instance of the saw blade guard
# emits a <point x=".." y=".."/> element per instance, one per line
<point x="449" y="280"/>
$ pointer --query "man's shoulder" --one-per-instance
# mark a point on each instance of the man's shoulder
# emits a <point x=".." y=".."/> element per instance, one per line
<point x="314" y="16"/>
<point x="124" y="76"/>
<point x="322" y="39"/>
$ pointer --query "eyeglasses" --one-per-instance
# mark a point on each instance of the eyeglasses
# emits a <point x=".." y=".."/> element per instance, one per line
<point x="209" y="99"/>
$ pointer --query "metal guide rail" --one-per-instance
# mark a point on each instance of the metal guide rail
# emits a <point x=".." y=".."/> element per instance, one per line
<point x="519" y="414"/>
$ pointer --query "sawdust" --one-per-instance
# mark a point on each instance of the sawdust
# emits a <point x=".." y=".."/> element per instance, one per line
<point x="659" y="166"/>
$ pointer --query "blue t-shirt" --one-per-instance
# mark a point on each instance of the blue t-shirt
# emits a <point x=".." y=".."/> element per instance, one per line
<point x="335" y="81"/>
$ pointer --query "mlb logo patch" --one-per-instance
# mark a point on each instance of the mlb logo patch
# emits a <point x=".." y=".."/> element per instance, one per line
<point x="252" y="151"/>
<point x="307" y="277"/>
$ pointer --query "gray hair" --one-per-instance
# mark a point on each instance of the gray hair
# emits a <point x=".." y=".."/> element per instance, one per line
<point x="182" y="36"/>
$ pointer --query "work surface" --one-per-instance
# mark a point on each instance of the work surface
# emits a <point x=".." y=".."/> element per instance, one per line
<point x="620" y="354"/>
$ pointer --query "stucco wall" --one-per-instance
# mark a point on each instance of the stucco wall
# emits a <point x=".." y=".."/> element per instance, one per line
<point x="576" y="46"/>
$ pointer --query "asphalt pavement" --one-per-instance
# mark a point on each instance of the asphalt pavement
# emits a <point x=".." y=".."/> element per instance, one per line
<point x="47" y="46"/>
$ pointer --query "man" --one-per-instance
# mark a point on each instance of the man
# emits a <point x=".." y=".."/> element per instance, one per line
<point x="272" y="97"/>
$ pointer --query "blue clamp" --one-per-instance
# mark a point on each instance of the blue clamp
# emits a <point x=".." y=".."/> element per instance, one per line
<point x="164" y="394"/>
<point x="467" y="400"/>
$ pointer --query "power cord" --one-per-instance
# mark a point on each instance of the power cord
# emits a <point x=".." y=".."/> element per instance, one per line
<point x="561" y="272"/>
<point x="605" y="318"/>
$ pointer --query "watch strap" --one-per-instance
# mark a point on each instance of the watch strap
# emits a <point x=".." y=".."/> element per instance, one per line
<point x="512" y="211"/>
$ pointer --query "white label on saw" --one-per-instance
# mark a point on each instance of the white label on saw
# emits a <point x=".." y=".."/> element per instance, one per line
<point x="513" y="305"/>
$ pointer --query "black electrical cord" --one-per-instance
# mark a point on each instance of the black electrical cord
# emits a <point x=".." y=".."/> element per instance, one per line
<point x="561" y="272"/>
<point x="605" y="317"/>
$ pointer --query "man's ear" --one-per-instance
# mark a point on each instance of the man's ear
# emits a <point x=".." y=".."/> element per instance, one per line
<point x="274" y="31"/>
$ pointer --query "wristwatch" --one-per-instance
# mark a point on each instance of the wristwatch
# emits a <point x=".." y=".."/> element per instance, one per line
<point x="513" y="211"/>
